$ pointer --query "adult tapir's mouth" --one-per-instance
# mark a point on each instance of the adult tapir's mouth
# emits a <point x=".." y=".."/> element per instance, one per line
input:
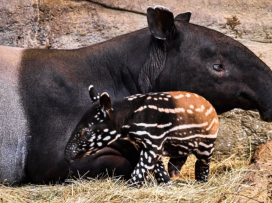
<point x="266" y="116"/>
<point x="250" y="101"/>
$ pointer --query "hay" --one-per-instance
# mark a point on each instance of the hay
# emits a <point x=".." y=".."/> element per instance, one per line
<point x="225" y="185"/>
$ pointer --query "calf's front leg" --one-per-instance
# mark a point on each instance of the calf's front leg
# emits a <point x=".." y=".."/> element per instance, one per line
<point x="144" y="167"/>
<point x="160" y="173"/>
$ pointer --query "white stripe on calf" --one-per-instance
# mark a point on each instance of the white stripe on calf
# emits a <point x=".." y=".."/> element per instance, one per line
<point x="148" y="141"/>
<point x="202" y="153"/>
<point x="210" y="136"/>
<point x="178" y="145"/>
<point x="205" y="145"/>
<point x="153" y="125"/>
<point x="140" y="109"/>
<point x="180" y="127"/>
<point x="213" y="121"/>
<point x="209" y="111"/>
<point x="164" y="110"/>
<point x="153" y="153"/>
<point x="152" y="107"/>
<point x="149" y="167"/>
<point x="117" y="136"/>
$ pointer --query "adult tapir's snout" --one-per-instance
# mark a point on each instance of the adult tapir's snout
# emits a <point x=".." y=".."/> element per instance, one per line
<point x="267" y="116"/>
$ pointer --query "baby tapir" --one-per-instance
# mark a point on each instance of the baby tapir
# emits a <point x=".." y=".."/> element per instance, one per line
<point x="173" y="124"/>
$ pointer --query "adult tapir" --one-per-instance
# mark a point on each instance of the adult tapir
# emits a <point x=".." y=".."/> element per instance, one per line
<point x="44" y="92"/>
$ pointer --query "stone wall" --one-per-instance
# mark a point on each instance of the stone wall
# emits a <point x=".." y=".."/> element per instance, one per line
<point x="72" y="24"/>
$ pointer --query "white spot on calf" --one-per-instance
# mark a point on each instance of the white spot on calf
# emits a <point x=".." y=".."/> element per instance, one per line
<point x="113" y="132"/>
<point x="107" y="138"/>
<point x="179" y="96"/>
<point x="189" y="111"/>
<point x="145" y="154"/>
<point x="201" y="109"/>
<point x="191" y="144"/>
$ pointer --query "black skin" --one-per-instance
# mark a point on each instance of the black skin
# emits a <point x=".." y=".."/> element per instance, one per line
<point x="54" y="87"/>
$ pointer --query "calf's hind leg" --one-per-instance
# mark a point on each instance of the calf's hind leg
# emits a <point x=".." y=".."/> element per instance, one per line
<point x="202" y="167"/>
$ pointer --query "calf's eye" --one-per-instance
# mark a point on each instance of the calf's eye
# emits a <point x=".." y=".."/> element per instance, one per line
<point x="218" y="67"/>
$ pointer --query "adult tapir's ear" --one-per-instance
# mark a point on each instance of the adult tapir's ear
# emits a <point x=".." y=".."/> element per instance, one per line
<point x="160" y="22"/>
<point x="93" y="94"/>
<point x="105" y="103"/>
<point x="184" y="17"/>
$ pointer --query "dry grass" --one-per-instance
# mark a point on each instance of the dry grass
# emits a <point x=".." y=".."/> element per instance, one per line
<point x="225" y="185"/>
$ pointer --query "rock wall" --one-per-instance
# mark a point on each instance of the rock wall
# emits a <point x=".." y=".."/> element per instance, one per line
<point x="71" y="24"/>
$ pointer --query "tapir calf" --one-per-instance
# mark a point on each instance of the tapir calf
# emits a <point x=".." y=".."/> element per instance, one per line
<point x="173" y="124"/>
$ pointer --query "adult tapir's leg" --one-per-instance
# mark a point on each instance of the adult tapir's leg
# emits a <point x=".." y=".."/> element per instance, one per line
<point x="174" y="166"/>
<point x="13" y="122"/>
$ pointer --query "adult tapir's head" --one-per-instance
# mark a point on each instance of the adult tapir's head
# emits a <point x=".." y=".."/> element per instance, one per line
<point x="197" y="59"/>
<point x="95" y="129"/>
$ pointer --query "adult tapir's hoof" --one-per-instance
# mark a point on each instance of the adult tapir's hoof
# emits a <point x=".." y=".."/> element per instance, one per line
<point x="174" y="174"/>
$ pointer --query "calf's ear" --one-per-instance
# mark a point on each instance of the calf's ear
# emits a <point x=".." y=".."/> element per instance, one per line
<point x="93" y="94"/>
<point x="105" y="103"/>
<point x="160" y="22"/>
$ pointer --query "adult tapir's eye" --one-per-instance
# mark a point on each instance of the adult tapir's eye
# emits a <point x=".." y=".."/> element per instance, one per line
<point x="218" y="67"/>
